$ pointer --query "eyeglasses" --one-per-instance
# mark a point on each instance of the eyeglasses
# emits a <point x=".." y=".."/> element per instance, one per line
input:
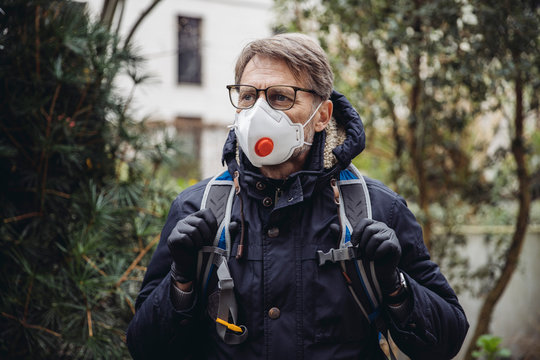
<point x="279" y="97"/>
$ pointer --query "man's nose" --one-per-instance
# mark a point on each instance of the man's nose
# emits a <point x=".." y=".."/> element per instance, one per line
<point x="261" y="94"/>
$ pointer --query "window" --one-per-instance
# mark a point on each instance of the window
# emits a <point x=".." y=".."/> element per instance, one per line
<point x="189" y="50"/>
<point x="188" y="135"/>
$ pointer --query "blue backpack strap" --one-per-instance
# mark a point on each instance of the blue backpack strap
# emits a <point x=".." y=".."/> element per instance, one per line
<point x="212" y="269"/>
<point x="355" y="201"/>
<point x="355" y="204"/>
<point x="218" y="197"/>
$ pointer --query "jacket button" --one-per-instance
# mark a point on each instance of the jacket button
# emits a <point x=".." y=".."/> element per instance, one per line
<point x="260" y="185"/>
<point x="274" y="313"/>
<point x="273" y="232"/>
<point x="267" y="201"/>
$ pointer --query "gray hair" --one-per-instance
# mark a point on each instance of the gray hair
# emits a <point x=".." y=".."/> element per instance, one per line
<point x="304" y="57"/>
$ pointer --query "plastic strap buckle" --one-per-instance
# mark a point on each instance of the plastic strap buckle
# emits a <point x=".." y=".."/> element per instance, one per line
<point x="334" y="255"/>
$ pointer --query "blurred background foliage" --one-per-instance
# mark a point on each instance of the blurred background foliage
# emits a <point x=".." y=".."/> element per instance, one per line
<point x="449" y="92"/>
<point x="83" y="185"/>
<point x="434" y="82"/>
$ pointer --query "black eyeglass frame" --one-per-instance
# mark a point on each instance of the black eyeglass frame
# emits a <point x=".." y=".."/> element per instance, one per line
<point x="295" y="88"/>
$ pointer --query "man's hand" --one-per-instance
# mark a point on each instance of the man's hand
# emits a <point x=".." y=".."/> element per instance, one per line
<point x="186" y="239"/>
<point x="377" y="242"/>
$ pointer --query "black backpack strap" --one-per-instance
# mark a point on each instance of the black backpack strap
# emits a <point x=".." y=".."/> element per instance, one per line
<point x="352" y="198"/>
<point x="212" y="268"/>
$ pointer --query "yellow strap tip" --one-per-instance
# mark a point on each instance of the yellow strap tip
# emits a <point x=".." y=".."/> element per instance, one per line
<point x="229" y="326"/>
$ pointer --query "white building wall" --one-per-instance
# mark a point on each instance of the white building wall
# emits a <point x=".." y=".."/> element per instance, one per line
<point x="227" y="26"/>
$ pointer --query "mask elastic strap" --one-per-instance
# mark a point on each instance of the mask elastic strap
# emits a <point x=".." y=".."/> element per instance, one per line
<point x="311" y="117"/>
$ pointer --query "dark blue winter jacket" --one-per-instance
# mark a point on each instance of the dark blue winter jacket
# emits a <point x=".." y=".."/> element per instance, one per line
<point x="286" y="222"/>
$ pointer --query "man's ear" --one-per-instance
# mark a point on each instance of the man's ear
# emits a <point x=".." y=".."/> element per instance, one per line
<point x="325" y="114"/>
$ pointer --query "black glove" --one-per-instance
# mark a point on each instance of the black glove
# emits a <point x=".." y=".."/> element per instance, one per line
<point x="377" y="242"/>
<point x="186" y="239"/>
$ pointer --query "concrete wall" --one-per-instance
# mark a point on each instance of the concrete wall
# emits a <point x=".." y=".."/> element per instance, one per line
<point x="517" y="315"/>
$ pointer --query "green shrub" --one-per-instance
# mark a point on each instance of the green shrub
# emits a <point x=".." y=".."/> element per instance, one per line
<point x="489" y="348"/>
<point x="81" y="204"/>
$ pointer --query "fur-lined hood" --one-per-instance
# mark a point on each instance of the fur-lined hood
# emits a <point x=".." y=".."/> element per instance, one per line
<point x="342" y="140"/>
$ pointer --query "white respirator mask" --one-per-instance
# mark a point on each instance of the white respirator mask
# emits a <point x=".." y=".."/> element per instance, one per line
<point x="268" y="136"/>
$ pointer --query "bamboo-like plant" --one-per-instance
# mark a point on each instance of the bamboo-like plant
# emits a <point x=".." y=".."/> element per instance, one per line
<point x="81" y="204"/>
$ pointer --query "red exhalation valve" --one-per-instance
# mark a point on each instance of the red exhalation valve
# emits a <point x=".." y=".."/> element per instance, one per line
<point x="264" y="147"/>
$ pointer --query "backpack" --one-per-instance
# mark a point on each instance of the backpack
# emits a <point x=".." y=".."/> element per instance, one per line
<point x="353" y="203"/>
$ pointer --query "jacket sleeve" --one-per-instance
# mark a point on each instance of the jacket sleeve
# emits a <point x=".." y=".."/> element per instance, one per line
<point x="158" y="330"/>
<point x="436" y="325"/>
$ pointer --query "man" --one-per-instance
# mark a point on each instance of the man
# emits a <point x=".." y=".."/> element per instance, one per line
<point x="293" y="308"/>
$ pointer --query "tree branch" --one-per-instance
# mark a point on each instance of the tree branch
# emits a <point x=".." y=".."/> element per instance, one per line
<point x="512" y="256"/>
<point x="22" y="217"/>
<point x="30" y="326"/>
<point x="88" y="317"/>
<point x="139" y="21"/>
<point x="93" y="264"/>
<point x="17" y="144"/>
<point x="27" y="302"/>
<point x="137" y="260"/>
<point x="107" y="12"/>
<point x="38" y="44"/>
<point x="44" y="156"/>
<point x="130" y="304"/>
